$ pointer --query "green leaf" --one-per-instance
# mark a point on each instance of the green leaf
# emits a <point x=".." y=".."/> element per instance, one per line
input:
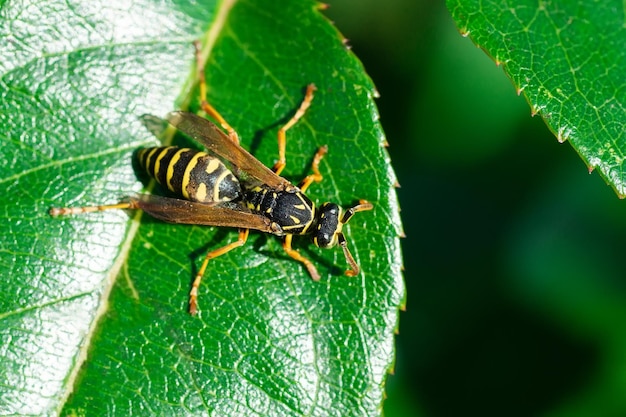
<point x="568" y="60"/>
<point x="93" y="307"/>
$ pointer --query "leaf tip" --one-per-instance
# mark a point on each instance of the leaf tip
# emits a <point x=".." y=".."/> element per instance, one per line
<point x="346" y="43"/>
<point x="323" y="6"/>
<point x="535" y="110"/>
<point x="563" y="134"/>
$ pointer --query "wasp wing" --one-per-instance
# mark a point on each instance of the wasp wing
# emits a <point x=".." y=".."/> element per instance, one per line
<point x="217" y="142"/>
<point x="154" y="124"/>
<point x="173" y="210"/>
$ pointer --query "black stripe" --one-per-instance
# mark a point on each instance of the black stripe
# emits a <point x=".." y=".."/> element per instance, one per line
<point x="161" y="176"/>
<point x="142" y="156"/>
<point x="179" y="170"/>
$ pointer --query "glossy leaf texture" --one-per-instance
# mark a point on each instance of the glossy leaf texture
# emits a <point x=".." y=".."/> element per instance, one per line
<point x="93" y="309"/>
<point x="567" y="59"/>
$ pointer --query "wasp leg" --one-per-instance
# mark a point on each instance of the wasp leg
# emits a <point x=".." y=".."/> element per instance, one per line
<point x="282" y="138"/>
<point x="64" y="211"/>
<point x="315" y="167"/>
<point x="204" y="103"/>
<point x="296" y="255"/>
<point x="193" y="294"/>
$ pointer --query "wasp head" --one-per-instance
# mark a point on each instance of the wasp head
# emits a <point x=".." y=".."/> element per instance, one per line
<point x="328" y="232"/>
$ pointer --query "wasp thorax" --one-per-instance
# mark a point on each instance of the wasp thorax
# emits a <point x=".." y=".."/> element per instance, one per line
<point x="328" y="225"/>
<point x="294" y="212"/>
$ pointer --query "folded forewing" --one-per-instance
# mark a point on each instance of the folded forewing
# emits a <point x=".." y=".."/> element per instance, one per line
<point x="173" y="210"/>
<point x="217" y="142"/>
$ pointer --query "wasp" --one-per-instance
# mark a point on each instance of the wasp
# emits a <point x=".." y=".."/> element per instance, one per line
<point x="229" y="187"/>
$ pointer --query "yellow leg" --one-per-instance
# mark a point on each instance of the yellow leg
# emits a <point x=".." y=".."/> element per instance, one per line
<point x="315" y="167"/>
<point x="282" y="138"/>
<point x="208" y="108"/>
<point x="193" y="294"/>
<point x="296" y="255"/>
<point x="64" y="211"/>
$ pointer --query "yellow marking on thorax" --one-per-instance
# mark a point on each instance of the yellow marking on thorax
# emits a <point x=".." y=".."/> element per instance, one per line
<point x="293" y="226"/>
<point x="304" y="205"/>
<point x="295" y="219"/>
<point x="170" y="167"/>
<point x="312" y="211"/>
<point x="187" y="175"/>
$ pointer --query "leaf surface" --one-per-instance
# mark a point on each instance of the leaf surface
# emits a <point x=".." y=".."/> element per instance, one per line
<point x="93" y="307"/>
<point x="568" y="60"/>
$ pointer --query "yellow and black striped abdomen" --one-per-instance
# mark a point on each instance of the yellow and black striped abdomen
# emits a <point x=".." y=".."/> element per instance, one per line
<point x="192" y="174"/>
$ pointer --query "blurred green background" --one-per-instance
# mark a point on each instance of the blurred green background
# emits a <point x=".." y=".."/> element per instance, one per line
<point x="514" y="253"/>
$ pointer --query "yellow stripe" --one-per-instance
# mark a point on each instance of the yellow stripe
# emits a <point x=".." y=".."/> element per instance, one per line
<point x="294" y="226"/>
<point x="150" y="155"/>
<point x="157" y="163"/>
<point x="187" y="175"/>
<point x="142" y="156"/>
<point x="170" y="167"/>
<point x="216" y="187"/>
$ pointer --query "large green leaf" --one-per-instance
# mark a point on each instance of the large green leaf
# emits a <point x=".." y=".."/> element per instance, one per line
<point x="93" y="307"/>
<point x="568" y="60"/>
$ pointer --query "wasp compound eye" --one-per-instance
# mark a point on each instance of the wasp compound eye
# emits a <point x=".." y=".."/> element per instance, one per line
<point x="328" y="225"/>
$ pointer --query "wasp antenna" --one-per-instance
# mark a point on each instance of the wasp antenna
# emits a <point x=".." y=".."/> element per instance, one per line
<point x="362" y="206"/>
<point x="346" y="252"/>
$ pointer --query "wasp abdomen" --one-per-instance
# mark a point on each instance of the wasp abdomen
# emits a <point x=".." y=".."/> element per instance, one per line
<point x="294" y="212"/>
<point x="192" y="174"/>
